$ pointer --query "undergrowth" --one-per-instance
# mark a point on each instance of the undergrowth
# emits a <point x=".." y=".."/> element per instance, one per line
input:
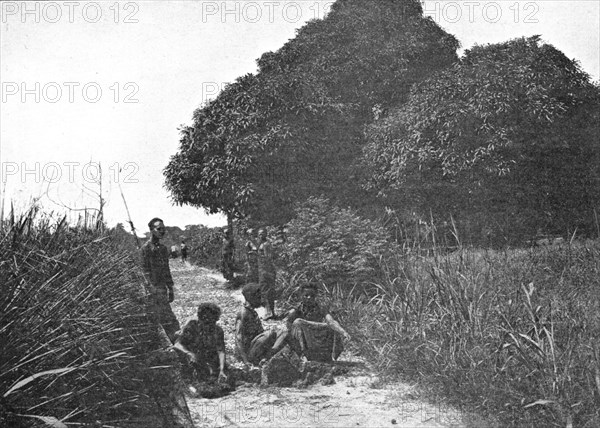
<point x="512" y="335"/>
<point x="73" y="328"/>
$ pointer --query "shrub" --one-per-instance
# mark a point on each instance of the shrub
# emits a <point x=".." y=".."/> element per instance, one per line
<point x="333" y="245"/>
<point x="204" y="245"/>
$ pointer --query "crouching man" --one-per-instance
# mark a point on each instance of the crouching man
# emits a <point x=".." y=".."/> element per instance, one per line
<point x="253" y="343"/>
<point x="201" y="343"/>
<point x="312" y="331"/>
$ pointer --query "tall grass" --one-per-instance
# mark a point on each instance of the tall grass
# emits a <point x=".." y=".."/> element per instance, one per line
<point x="72" y="327"/>
<point x="513" y="335"/>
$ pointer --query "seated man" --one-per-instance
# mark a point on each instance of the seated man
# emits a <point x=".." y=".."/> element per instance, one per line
<point x="201" y="343"/>
<point x="312" y="331"/>
<point x="252" y="341"/>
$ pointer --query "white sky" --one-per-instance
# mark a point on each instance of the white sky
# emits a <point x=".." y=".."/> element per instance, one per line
<point x="169" y="57"/>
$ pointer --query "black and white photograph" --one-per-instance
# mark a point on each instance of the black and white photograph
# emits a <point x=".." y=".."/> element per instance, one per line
<point x="310" y="213"/>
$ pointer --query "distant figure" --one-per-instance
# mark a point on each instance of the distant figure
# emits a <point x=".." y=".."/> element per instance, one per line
<point x="266" y="273"/>
<point x="251" y="257"/>
<point x="155" y="265"/>
<point x="184" y="251"/>
<point x="253" y="343"/>
<point x="201" y="342"/>
<point x="227" y="254"/>
<point x="312" y="330"/>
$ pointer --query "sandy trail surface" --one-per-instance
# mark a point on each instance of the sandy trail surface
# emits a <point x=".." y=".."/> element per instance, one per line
<point x="356" y="399"/>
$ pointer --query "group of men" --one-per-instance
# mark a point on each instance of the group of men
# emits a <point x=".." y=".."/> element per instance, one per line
<point x="309" y="329"/>
<point x="260" y="268"/>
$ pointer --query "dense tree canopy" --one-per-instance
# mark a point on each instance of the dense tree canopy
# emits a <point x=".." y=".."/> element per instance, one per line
<point x="506" y="140"/>
<point x="296" y="128"/>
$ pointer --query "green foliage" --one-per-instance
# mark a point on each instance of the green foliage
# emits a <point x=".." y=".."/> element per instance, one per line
<point x="204" y="245"/>
<point x="295" y="129"/>
<point x="73" y="327"/>
<point x="519" y="328"/>
<point x="333" y="245"/>
<point x="508" y="137"/>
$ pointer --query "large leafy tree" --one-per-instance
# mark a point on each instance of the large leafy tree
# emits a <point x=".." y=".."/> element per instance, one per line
<point x="506" y="141"/>
<point x="296" y="127"/>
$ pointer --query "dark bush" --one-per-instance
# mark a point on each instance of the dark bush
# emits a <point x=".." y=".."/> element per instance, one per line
<point x="334" y="245"/>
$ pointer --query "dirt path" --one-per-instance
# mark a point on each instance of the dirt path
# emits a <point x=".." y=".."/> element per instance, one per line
<point x="355" y="399"/>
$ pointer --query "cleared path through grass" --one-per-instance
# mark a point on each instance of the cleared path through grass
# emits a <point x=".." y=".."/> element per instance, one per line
<point x="357" y="398"/>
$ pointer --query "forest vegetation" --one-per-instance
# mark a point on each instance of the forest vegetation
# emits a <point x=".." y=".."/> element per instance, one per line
<point x="411" y="183"/>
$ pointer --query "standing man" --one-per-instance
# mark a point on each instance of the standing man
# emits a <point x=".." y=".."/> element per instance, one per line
<point x="251" y="257"/>
<point x="163" y="374"/>
<point x="184" y="251"/>
<point x="266" y="273"/>
<point x="227" y="254"/>
<point x="155" y="264"/>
